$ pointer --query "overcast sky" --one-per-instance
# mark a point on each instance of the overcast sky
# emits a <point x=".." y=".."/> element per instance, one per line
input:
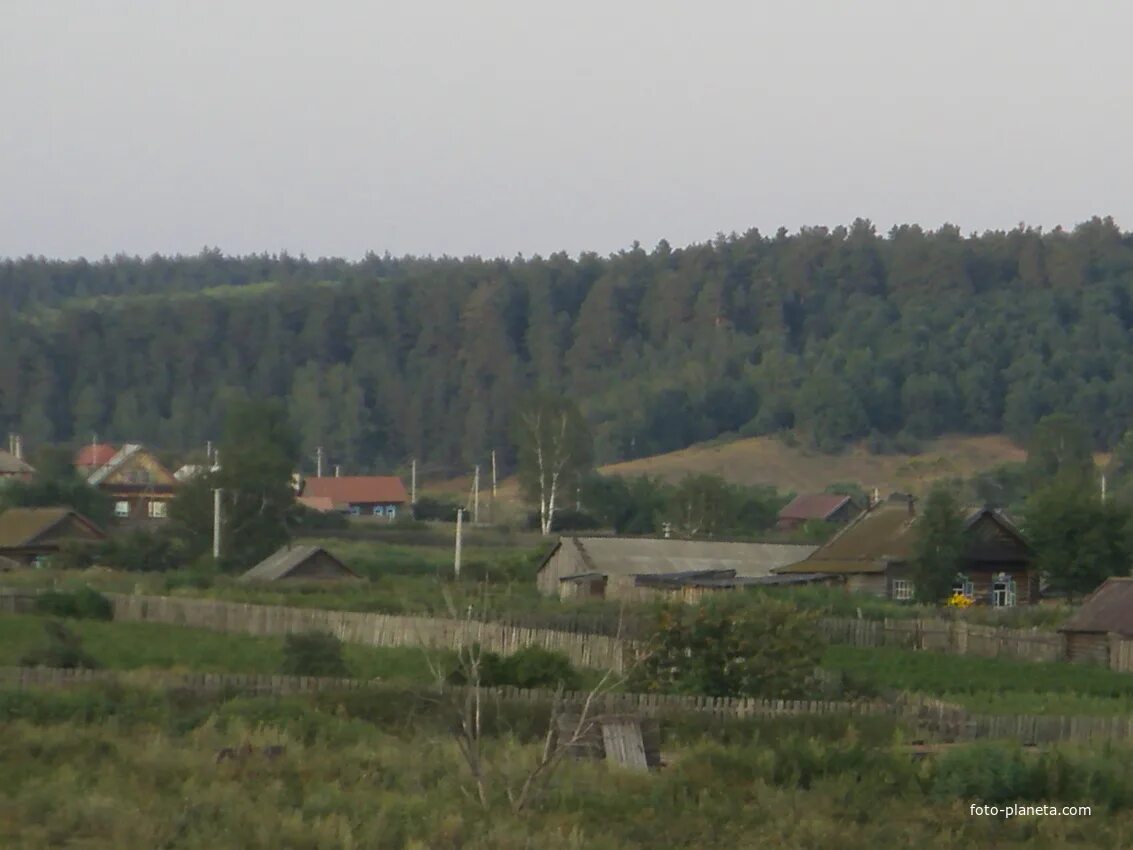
<point x="497" y="127"/>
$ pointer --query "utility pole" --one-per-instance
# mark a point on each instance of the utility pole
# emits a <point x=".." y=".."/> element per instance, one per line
<point x="456" y="557"/>
<point x="1103" y="488"/>
<point x="208" y="454"/>
<point x="337" y="471"/>
<point x="476" y="495"/>
<point x="413" y="482"/>
<point x="216" y="524"/>
<point x="492" y="507"/>
<point x="319" y="462"/>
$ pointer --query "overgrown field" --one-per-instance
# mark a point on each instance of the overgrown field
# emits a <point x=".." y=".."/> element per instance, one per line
<point x="125" y="770"/>
<point x="989" y="685"/>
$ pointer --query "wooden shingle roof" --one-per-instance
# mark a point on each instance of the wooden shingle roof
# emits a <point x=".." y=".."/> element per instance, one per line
<point x="1107" y="609"/>
<point x="23" y="526"/>
<point x="282" y="562"/>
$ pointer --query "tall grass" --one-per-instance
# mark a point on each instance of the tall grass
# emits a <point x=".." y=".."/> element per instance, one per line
<point x="347" y="783"/>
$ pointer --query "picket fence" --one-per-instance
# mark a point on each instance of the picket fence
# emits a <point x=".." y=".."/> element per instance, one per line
<point x="926" y="718"/>
<point x="956" y="637"/>
<point x="649" y="705"/>
<point x="584" y="650"/>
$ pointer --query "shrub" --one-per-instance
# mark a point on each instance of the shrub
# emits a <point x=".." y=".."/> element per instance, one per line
<point x="63" y="649"/>
<point x="428" y="508"/>
<point x="530" y="667"/>
<point x="142" y="551"/>
<point x="73" y="555"/>
<point x="313" y="654"/>
<point x="82" y="604"/>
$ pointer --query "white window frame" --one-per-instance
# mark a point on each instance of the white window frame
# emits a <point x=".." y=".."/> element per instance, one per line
<point x="391" y="512"/>
<point x="122" y="509"/>
<point x="1008" y="594"/>
<point x="967" y="586"/>
<point x="158" y="510"/>
<point x="903" y="590"/>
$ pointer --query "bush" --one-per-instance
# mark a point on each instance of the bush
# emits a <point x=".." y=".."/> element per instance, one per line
<point x="64" y="649"/>
<point x="566" y="519"/>
<point x="143" y="551"/>
<point x="313" y="654"/>
<point x="74" y="555"/>
<point x="82" y="604"/>
<point x="428" y="508"/>
<point x="530" y="667"/>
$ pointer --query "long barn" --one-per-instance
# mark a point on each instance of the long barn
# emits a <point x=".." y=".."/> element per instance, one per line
<point x="624" y="567"/>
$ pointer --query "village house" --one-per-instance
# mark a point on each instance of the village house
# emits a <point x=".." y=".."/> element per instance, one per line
<point x="13" y="467"/>
<point x="300" y="563"/>
<point x="823" y="507"/>
<point x="873" y="555"/>
<point x="380" y="496"/>
<point x="642" y="568"/>
<point x="31" y="535"/>
<point x="140" y="487"/>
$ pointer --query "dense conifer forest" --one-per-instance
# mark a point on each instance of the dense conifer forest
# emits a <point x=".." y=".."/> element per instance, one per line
<point x="839" y="334"/>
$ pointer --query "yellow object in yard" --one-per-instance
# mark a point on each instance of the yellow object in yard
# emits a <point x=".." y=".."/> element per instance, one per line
<point x="959" y="600"/>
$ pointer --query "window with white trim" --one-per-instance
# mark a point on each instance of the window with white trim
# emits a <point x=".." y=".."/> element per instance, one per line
<point x="902" y="589"/>
<point x="122" y="509"/>
<point x="158" y="510"/>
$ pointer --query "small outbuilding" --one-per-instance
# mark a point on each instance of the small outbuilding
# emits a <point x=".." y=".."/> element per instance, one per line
<point x="1107" y="611"/>
<point x="301" y="563"/>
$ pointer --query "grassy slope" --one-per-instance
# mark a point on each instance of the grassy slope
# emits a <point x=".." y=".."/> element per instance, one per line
<point x="767" y="460"/>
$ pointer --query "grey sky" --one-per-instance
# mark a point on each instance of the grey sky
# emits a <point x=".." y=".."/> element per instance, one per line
<point x="499" y="127"/>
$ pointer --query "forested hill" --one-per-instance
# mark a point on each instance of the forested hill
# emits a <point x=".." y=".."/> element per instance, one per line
<point x="840" y="334"/>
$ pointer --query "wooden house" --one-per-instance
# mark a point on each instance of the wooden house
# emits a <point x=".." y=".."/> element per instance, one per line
<point x="140" y="487"/>
<point x="822" y="507"/>
<point x="632" y="567"/>
<point x="14" y="468"/>
<point x="874" y="554"/>
<point x="1107" y="611"/>
<point x="300" y="563"/>
<point x="29" y="535"/>
<point x="381" y="496"/>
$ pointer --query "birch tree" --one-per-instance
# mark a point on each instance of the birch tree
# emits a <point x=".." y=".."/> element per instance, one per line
<point x="554" y="449"/>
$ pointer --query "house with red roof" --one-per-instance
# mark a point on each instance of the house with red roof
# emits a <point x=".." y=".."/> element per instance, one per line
<point x="360" y="495"/>
<point x="825" y="507"/>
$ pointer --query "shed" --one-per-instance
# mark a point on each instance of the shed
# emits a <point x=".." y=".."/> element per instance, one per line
<point x="27" y="534"/>
<point x="1108" y="610"/>
<point x="300" y="563"/>
<point x="608" y="566"/>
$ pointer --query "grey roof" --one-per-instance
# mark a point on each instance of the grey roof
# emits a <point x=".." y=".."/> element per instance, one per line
<point x="1107" y="609"/>
<point x="645" y="556"/>
<point x="12" y="465"/>
<point x="285" y="560"/>
<point x="120" y="457"/>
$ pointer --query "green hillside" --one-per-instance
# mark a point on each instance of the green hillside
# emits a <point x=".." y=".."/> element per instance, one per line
<point x="844" y="336"/>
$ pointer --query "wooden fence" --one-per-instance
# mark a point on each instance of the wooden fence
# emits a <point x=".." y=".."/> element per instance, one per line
<point x="957" y="637"/>
<point x="584" y="650"/>
<point x="927" y="718"/>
